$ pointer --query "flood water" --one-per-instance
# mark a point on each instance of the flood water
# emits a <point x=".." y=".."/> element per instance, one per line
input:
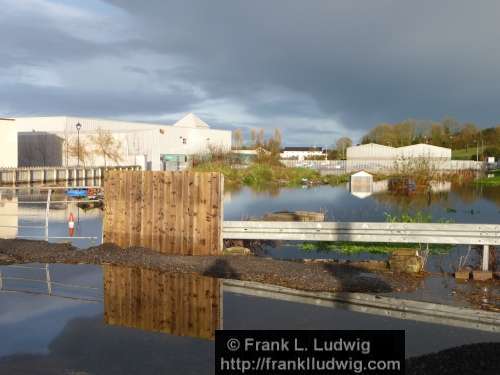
<point x="90" y="324"/>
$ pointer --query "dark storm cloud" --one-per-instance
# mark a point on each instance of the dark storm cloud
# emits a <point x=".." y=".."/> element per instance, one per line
<point x="363" y="61"/>
<point x="102" y="103"/>
<point x="317" y="69"/>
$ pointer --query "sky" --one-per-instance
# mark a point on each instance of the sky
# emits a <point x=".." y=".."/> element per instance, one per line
<point x="317" y="69"/>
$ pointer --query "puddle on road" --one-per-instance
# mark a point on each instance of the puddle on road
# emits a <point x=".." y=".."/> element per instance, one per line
<point x="119" y="320"/>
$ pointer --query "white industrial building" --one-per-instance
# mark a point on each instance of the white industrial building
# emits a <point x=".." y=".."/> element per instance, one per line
<point x="50" y="141"/>
<point x="8" y="143"/>
<point x="373" y="151"/>
<point x="425" y="151"/>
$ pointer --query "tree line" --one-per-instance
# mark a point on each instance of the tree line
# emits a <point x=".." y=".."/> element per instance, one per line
<point x="446" y="133"/>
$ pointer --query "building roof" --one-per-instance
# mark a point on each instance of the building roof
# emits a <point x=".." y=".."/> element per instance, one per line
<point x="302" y="149"/>
<point x="191" y="121"/>
<point x="423" y="145"/>
<point x="371" y="145"/>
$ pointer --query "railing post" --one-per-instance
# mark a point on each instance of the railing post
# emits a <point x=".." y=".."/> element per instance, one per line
<point x="49" y="282"/>
<point x="486" y="257"/>
<point x="47" y="208"/>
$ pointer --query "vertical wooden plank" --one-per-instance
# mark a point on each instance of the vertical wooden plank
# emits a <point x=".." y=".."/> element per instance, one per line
<point x="179" y="207"/>
<point x="172" y="222"/>
<point x="137" y="212"/>
<point x="195" y="198"/>
<point x="201" y="206"/>
<point x="145" y="228"/>
<point x="123" y="224"/>
<point x="155" y="210"/>
<point x="186" y="214"/>
<point x="127" y="204"/>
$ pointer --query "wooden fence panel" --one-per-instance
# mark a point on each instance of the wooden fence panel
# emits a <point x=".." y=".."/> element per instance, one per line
<point x="169" y="212"/>
<point x="173" y="303"/>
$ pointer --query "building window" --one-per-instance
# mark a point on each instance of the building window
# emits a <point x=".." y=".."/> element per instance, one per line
<point x="184" y="140"/>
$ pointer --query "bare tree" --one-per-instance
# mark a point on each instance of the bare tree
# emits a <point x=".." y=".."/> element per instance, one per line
<point x="79" y="150"/>
<point x="253" y="137"/>
<point x="260" y="140"/>
<point x="107" y="146"/>
<point x="274" y="143"/>
<point x="237" y="139"/>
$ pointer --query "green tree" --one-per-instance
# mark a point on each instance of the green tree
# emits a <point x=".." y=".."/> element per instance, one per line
<point x="342" y="144"/>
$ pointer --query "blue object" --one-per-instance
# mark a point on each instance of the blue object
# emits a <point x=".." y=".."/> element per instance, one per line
<point x="77" y="193"/>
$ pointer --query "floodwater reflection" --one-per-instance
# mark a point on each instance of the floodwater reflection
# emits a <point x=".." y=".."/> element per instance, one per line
<point x="172" y="303"/>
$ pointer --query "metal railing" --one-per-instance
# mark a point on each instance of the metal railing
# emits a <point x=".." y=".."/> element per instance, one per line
<point x="347" y="166"/>
<point x="50" y="284"/>
<point x="47" y="203"/>
<point x="438" y="233"/>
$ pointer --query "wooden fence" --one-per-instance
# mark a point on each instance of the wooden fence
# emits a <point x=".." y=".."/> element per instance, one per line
<point x="173" y="303"/>
<point x="169" y="212"/>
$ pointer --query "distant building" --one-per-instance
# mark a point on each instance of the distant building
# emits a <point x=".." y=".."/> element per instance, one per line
<point x="425" y="151"/>
<point x="47" y="140"/>
<point x="8" y="143"/>
<point x="373" y="151"/>
<point x="301" y="153"/>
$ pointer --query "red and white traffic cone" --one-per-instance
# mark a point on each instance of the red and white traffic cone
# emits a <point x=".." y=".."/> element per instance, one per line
<point x="71" y="225"/>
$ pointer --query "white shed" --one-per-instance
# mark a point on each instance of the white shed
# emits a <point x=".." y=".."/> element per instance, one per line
<point x="423" y="150"/>
<point x="371" y="151"/>
<point x="361" y="184"/>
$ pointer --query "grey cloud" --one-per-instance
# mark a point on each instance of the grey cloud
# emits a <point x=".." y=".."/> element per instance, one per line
<point x="358" y="63"/>
<point x="106" y="103"/>
<point x="366" y="62"/>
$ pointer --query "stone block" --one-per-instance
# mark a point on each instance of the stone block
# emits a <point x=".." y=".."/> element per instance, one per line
<point x="237" y="250"/>
<point x="482" y="275"/>
<point x="411" y="264"/>
<point x="462" y="275"/>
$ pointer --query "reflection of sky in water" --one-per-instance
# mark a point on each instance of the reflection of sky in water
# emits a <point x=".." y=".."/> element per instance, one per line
<point x="461" y="205"/>
<point x="75" y="332"/>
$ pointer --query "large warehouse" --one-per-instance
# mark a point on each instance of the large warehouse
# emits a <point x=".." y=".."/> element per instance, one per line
<point x="373" y="151"/>
<point x="54" y="141"/>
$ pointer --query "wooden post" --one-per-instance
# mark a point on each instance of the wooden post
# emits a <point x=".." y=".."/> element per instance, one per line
<point x="486" y="257"/>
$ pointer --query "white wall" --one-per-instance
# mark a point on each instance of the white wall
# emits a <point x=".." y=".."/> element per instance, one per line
<point x="8" y="144"/>
<point x="301" y="155"/>
<point x="423" y="150"/>
<point x="371" y="151"/>
<point x="138" y="141"/>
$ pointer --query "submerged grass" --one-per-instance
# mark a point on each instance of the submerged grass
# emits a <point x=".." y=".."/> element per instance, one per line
<point x="490" y="181"/>
<point x="381" y="247"/>
<point x="351" y="248"/>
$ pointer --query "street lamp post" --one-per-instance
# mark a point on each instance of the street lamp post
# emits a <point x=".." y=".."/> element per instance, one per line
<point x="78" y="127"/>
